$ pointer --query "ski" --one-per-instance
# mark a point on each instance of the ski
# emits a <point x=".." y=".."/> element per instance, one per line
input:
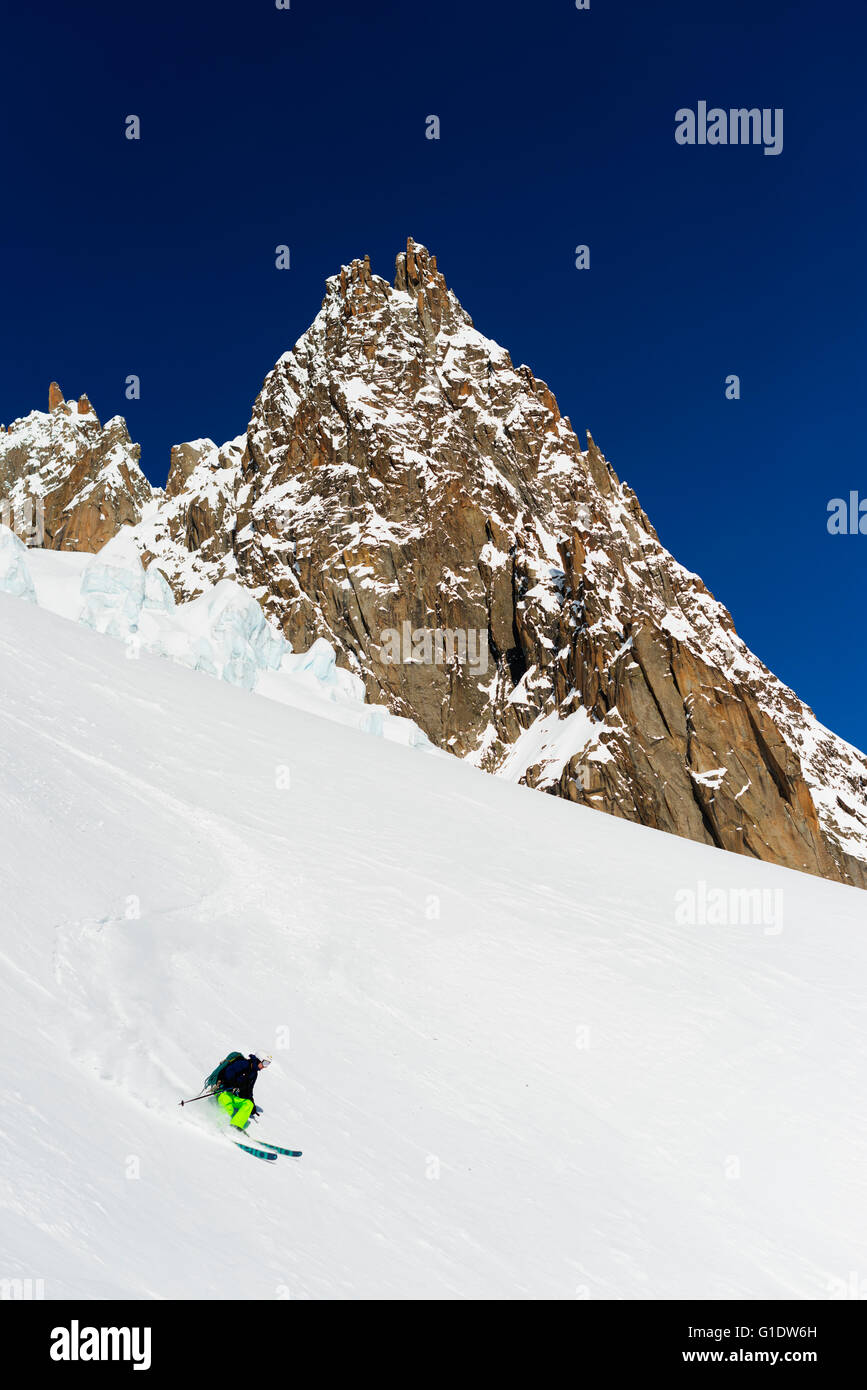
<point x="289" y="1153"/>
<point x="257" y="1153"/>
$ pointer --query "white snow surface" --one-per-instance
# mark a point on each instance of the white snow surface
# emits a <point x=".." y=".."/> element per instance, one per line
<point x="513" y="1070"/>
<point x="551" y="742"/>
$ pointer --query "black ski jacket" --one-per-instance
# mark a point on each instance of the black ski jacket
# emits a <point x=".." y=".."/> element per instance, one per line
<point x="240" y="1077"/>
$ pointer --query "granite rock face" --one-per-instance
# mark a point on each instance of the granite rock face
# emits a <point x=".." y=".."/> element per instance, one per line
<point x="191" y="533"/>
<point x="68" y="482"/>
<point x="406" y="492"/>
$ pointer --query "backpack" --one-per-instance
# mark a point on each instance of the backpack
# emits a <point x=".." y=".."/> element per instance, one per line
<point x="216" y="1075"/>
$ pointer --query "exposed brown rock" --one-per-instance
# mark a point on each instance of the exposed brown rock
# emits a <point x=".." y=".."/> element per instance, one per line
<point x="400" y="475"/>
<point x="85" y="476"/>
<point x="192" y="533"/>
<point x="399" y="470"/>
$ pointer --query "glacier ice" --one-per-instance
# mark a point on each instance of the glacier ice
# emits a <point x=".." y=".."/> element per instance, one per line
<point x="113" y="587"/>
<point x="235" y="624"/>
<point x="158" y="594"/>
<point x="223" y="633"/>
<point x="320" y="661"/>
<point x="15" y="577"/>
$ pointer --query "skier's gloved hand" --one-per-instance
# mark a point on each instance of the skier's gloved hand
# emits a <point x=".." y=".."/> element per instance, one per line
<point x="257" y="1110"/>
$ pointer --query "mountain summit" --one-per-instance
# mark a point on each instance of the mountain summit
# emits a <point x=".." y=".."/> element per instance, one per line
<point x="406" y="492"/>
<point x="67" y="480"/>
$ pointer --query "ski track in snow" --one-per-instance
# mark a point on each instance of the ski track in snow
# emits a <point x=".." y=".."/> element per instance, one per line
<point x="549" y="1090"/>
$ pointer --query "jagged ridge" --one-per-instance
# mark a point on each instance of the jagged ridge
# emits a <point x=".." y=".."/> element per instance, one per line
<point x="70" y="481"/>
<point x="399" y="469"/>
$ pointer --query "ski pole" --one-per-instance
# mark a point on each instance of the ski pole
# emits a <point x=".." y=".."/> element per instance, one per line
<point x="203" y="1096"/>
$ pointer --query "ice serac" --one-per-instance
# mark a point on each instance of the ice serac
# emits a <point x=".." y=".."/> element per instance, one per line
<point x="82" y="479"/>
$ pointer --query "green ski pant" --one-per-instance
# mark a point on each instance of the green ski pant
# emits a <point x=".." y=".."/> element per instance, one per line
<point x="238" y="1110"/>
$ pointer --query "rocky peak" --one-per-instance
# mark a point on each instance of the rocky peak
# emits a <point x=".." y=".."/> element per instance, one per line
<point x="415" y="269"/>
<point x="81" y="478"/>
<point x="406" y="492"/>
<point x="402" y="476"/>
<point x="416" y="274"/>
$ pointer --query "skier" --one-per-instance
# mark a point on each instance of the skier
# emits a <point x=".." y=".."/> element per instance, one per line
<point x="235" y="1080"/>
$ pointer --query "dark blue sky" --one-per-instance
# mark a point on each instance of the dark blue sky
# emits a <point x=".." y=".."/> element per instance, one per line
<point x="307" y="127"/>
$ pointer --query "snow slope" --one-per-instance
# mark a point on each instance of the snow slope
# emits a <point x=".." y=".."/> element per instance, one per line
<point x="512" y="1070"/>
<point x="222" y="632"/>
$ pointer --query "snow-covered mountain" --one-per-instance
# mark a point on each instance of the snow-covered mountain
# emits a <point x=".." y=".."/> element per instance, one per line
<point x="528" y="1051"/>
<point x="66" y="481"/>
<point x="406" y="494"/>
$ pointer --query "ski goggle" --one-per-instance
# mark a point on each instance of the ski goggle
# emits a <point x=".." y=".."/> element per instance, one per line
<point x="266" y="1061"/>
